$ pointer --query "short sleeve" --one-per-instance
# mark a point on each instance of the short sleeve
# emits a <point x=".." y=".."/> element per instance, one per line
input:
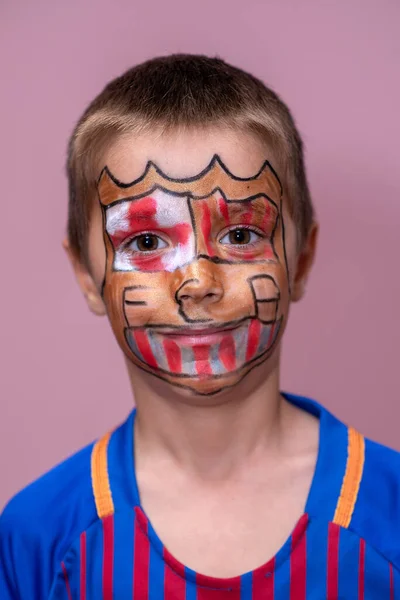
<point x="21" y="569"/>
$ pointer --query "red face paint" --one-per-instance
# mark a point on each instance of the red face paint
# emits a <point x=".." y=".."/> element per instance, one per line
<point x="202" y="360"/>
<point x="223" y="209"/>
<point x="143" y="344"/>
<point x="227" y="352"/>
<point x="254" y="338"/>
<point x="173" y="355"/>
<point x="163" y="215"/>
<point x="206" y="227"/>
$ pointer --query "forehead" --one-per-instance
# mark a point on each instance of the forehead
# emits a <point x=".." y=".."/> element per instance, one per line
<point x="181" y="154"/>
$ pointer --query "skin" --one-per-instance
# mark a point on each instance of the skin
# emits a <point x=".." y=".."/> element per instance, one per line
<point x="199" y="453"/>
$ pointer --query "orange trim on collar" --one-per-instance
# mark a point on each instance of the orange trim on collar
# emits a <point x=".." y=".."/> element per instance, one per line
<point x="351" y="480"/>
<point x="100" y="480"/>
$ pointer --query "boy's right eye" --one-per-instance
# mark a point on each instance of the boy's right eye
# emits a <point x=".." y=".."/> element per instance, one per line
<point x="146" y="242"/>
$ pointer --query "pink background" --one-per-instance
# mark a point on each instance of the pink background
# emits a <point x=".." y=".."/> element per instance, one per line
<point x="336" y="64"/>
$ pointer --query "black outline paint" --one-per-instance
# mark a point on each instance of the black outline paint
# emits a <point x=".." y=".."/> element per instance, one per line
<point x="190" y="198"/>
<point x="215" y="160"/>
<point x="157" y="370"/>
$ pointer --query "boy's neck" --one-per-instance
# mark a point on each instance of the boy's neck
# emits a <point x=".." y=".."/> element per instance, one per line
<point x="210" y="438"/>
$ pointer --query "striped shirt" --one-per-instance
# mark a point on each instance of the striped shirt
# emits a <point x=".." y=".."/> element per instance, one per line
<point x="79" y="532"/>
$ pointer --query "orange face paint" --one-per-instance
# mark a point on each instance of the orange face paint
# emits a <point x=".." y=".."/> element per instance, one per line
<point x="196" y="281"/>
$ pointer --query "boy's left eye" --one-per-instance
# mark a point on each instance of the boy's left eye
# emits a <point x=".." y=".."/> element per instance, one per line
<point x="240" y="236"/>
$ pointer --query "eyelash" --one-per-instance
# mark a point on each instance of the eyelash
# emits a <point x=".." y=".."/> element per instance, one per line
<point x="260" y="235"/>
<point x="126" y="245"/>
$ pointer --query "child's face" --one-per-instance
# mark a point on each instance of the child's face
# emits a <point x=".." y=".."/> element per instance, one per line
<point x="194" y="255"/>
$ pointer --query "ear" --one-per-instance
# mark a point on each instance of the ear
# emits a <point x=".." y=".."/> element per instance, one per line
<point x="304" y="263"/>
<point x="85" y="281"/>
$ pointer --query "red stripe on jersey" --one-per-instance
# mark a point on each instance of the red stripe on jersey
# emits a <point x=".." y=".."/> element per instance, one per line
<point x="332" y="583"/>
<point x="67" y="586"/>
<point x="202" y="360"/>
<point x="361" y="567"/>
<point x="298" y="565"/>
<point x="254" y="338"/>
<point x="391" y="581"/>
<point x="83" y="566"/>
<point x="227" y="352"/>
<point x="263" y="581"/>
<point x="298" y="561"/>
<point x="173" y="354"/>
<point x="143" y="344"/>
<point x="141" y="560"/>
<point x="108" y="557"/>
<point x="174" y="579"/>
<point x="209" y="588"/>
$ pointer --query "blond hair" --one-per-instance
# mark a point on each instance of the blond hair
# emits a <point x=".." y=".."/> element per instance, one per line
<point x="182" y="91"/>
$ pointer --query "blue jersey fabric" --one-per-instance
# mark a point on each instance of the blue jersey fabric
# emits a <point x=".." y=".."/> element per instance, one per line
<point x="56" y="543"/>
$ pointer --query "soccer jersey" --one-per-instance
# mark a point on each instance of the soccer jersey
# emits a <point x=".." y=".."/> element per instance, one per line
<point x="80" y="532"/>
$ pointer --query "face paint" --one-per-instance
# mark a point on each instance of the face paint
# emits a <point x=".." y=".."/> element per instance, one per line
<point x="196" y="281"/>
<point x="127" y="221"/>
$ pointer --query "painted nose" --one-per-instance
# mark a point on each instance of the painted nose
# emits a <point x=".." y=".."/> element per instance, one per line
<point x="200" y="286"/>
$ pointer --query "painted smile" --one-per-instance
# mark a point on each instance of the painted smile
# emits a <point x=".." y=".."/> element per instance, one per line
<point x="206" y="352"/>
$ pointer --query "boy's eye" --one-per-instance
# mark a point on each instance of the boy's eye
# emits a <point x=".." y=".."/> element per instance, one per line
<point x="240" y="236"/>
<point x="147" y="242"/>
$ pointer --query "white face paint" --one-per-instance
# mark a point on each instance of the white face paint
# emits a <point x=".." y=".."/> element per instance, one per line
<point x="164" y="216"/>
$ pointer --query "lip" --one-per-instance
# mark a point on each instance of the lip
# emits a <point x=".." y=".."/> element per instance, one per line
<point x="196" y="336"/>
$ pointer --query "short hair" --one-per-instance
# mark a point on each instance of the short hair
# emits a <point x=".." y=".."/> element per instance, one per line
<point x="181" y="91"/>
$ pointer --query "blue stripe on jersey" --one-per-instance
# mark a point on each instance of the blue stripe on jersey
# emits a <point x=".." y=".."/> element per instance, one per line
<point x="246" y="586"/>
<point x="349" y="546"/>
<point x="120" y="460"/>
<point x="377" y="576"/>
<point x="191" y="587"/>
<point x="396" y="584"/>
<point x="282" y="572"/>
<point x="156" y="575"/>
<point x="123" y="554"/>
<point x="327" y="483"/>
<point x="94" y="558"/>
<point x="317" y="558"/>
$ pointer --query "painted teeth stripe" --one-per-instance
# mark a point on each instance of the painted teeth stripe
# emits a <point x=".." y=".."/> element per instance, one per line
<point x="133" y="345"/>
<point x="241" y="337"/>
<point x="157" y="350"/>
<point x="227" y="354"/>
<point x="174" y="356"/>
<point x="216" y="365"/>
<point x="143" y="344"/>
<point x="188" y="361"/>
<point x="253" y="340"/>
<point x="202" y="360"/>
<point x="265" y="339"/>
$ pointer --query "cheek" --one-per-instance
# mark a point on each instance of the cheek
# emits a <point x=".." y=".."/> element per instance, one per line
<point x="290" y="243"/>
<point x="96" y="248"/>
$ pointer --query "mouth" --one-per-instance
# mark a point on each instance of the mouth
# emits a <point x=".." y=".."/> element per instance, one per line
<point x="193" y="336"/>
<point x="212" y="351"/>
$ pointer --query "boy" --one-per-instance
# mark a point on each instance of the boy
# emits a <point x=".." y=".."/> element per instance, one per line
<point x="191" y="227"/>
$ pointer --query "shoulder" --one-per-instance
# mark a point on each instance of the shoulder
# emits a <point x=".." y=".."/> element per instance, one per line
<point x="376" y="516"/>
<point x="39" y="524"/>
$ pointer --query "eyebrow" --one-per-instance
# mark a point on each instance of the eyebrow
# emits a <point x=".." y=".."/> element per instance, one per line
<point x="257" y="205"/>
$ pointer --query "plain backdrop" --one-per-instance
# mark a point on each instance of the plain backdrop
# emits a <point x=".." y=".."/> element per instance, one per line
<point x="335" y="63"/>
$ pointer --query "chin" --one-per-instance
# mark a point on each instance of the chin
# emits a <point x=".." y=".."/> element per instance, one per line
<point x="206" y="386"/>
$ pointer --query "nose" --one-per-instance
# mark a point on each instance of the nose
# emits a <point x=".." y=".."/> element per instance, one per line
<point x="201" y="286"/>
